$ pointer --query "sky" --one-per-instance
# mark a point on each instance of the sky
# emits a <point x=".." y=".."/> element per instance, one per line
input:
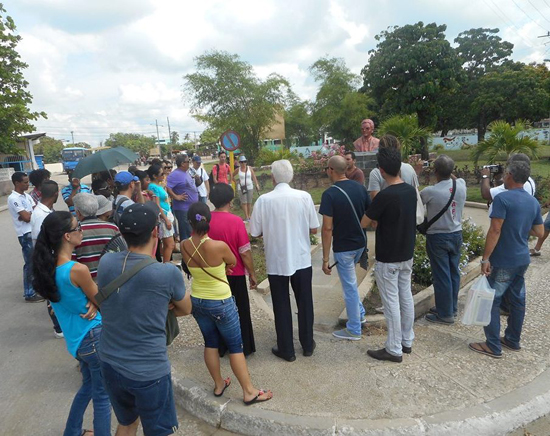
<point x="106" y="66"/>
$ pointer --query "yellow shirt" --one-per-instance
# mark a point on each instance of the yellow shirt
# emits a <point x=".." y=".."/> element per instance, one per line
<point x="209" y="288"/>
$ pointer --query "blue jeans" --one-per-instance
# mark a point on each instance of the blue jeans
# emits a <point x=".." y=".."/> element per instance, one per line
<point x="219" y="319"/>
<point x="152" y="401"/>
<point x="444" y="253"/>
<point x="92" y="389"/>
<point x="348" y="278"/>
<point x="202" y="199"/>
<point x="184" y="227"/>
<point x="509" y="282"/>
<point x="26" y="247"/>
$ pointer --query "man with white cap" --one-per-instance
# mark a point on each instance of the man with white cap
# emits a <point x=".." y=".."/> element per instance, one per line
<point x="105" y="208"/>
<point x="246" y="179"/>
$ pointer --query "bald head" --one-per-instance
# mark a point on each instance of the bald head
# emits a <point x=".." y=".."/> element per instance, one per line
<point x="338" y="164"/>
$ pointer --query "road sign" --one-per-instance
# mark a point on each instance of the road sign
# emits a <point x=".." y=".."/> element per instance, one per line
<point x="230" y="140"/>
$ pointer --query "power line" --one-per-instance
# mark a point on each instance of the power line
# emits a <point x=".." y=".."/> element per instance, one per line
<point x="505" y="18"/>
<point x="546" y="3"/>
<point x="537" y="9"/>
<point x="528" y="16"/>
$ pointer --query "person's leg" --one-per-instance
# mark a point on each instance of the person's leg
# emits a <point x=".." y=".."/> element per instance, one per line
<point x="212" y="360"/>
<point x="26" y="247"/>
<point x="406" y="303"/>
<point x="301" y="285"/>
<point x="454" y="261"/>
<point x="51" y="314"/>
<point x="348" y="279"/>
<point x="516" y="300"/>
<point x="500" y="280"/>
<point x="279" y="286"/>
<point x="240" y="292"/>
<point x="203" y="200"/>
<point x="80" y="403"/>
<point x="387" y="280"/>
<point x="437" y="247"/>
<point x="167" y="248"/>
<point x="540" y="241"/>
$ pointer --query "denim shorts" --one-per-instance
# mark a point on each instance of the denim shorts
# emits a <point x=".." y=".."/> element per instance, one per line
<point x="547" y="222"/>
<point x="152" y="401"/>
<point x="219" y="319"/>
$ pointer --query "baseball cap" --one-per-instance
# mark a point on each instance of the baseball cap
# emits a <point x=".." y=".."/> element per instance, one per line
<point x="242" y="158"/>
<point x="139" y="218"/>
<point x="124" y="178"/>
<point x="197" y="158"/>
<point x="104" y="205"/>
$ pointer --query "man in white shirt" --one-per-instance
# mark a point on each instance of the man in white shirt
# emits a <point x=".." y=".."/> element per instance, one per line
<point x="20" y="206"/>
<point x="199" y="174"/>
<point x="50" y="192"/>
<point x="286" y="217"/>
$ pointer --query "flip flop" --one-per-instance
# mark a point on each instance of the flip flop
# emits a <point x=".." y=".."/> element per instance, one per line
<point x="508" y="345"/>
<point x="87" y="432"/>
<point x="227" y="382"/>
<point x="534" y="252"/>
<point x="256" y="399"/>
<point x="483" y="348"/>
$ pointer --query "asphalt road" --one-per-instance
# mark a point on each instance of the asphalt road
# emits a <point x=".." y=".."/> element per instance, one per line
<point x="38" y="376"/>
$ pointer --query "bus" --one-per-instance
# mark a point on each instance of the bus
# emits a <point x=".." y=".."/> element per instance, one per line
<point x="72" y="155"/>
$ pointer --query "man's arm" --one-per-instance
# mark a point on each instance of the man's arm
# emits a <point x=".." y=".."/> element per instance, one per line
<point x="25" y="216"/>
<point x="182" y="307"/>
<point x="207" y="185"/>
<point x="493" y="235"/>
<point x="486" y="185"/>
<point x="172" y="194"/>
<point x="215" y="174"/>
<point x="248" y="262"/>
<point x="326" y="240"/>
<point x="537" y="230"/>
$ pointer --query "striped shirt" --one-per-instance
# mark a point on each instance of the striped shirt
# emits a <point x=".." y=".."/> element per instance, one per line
<point x="95" y="235"/>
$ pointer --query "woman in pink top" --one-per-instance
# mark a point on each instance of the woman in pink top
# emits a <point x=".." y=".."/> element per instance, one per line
<point x="229" y="228"/>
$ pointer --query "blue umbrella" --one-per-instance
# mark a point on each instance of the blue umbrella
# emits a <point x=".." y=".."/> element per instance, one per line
<point x="104" y="160"/>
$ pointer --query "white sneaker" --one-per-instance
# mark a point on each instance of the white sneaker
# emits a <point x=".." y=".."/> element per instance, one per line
<point x="58" y="335"/>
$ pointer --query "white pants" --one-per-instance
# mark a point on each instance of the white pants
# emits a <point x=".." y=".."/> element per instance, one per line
<point x="394" y="283"/>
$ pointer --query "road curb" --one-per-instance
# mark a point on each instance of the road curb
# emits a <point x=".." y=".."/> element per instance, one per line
<point x="493" y="418"/>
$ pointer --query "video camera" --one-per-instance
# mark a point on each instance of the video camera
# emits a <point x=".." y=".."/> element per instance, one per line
<point x="494" y="169"/>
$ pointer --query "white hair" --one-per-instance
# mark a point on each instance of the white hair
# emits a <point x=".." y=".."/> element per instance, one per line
<point x="86" y="204"/>
<point x="282" y="171"/>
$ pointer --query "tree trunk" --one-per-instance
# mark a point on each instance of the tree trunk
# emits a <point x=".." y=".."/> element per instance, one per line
<point x="481" y="128"/>
<point x="422" y="122"/>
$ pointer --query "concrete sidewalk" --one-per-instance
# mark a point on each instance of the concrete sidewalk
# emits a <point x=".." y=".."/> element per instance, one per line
<point x="442" y="388"/>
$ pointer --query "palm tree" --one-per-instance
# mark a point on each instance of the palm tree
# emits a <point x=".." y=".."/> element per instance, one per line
<point x="405" y="128"/>
<point x="506" y="139"/>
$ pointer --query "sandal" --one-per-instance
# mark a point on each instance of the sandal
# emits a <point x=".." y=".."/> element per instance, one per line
<point x="257" y="399"/>
<point x="508" y="345"/>
<point x="534" y="252"/>
<point x="87" y="432"/>
<point x="227" y="382"/>
<point x="483" y="348"/>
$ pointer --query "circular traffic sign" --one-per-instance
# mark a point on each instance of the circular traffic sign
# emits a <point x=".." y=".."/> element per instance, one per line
<point x="230" y="140"/>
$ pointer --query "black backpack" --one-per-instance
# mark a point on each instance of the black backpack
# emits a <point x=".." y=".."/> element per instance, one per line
<point x="211" y="175"/>
<point x="115" y="216"/>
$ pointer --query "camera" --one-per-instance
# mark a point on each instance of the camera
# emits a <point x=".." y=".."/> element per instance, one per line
<point x="426" y="164"/>
<point x="494" y="169"/>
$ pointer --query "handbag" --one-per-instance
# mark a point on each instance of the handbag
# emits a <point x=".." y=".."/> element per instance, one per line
<point x="172" y="327"/>
<point x="364" y="260"/>
<point x="423" y="228"/>
<point x="244" y="189"/>
<point x="420" y="212"/>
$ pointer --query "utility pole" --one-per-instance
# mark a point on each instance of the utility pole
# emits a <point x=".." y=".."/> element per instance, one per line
<point x="72" y="136"/>
<point x="169" y="137"/>
<point x="158" y="138"/>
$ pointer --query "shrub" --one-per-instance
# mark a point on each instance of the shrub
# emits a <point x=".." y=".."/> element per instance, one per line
<point x="267" y="156"/>
<point x="473" y="242"/>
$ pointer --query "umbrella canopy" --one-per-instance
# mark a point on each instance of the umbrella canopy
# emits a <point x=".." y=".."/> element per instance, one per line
<point x="104" y="160"/>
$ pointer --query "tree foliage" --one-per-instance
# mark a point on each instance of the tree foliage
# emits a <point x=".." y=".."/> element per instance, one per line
<point x="225" y="94"/>
<point x="15" y="116"/>
<point x="409" y="70"/>
<point x="299" y="125"/>
<point x="140" y="144"/>
<point x="405" y="128"/>
<point x="339" y="107"/>
<point x="51" y="149"/>
<point x="506" y="139"/>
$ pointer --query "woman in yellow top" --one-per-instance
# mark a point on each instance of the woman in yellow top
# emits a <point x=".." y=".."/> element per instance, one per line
<point x="214" y="307"/>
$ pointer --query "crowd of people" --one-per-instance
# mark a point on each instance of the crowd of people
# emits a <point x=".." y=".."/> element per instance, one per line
<point x="105" y="267"/>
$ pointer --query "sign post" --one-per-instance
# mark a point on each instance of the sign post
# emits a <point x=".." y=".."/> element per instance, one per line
<point x="230" y="141"/>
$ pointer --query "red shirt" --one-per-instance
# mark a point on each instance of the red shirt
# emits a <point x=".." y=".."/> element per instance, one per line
<point x="223" y="174"/>
<point x="229" y="228"/>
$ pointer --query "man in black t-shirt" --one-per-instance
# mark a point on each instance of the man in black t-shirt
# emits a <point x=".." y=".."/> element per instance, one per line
<point x="341" y="226"/>
<point x="394" y="209"/>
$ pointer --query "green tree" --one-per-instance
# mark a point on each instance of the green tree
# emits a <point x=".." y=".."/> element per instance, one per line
<point x="299" y="125"/>
<point x="225" y="94"/>
<point x="339" y="108"/>
<point x="82" y="144"/>
<point x="506" y="139"/>
<point x="405" y="128"/>
<point x="409" y="70"/>
<point x="15" y="115"/>
<point x="174" y="138"/>
<point x="140" y="144"/>
<point x="50" y="148"/>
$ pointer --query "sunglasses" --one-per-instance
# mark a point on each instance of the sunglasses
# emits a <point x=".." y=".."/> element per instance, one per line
<point x="78" y="228"/>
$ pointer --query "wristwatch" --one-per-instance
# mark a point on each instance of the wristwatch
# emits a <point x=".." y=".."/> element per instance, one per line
<point x="484" y="176"/>
<point x="483" y="261"/>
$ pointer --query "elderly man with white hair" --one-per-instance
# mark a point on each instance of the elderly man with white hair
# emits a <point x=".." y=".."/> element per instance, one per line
<point x="96" y="233"/>
<point x="285" y="217"/>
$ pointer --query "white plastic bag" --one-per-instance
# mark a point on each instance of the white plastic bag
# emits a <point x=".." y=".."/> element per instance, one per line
<point x="479" y="303"/>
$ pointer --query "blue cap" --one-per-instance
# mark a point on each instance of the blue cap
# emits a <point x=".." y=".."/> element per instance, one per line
<point x="125" y="178"/>
<point x="197" y="158"/>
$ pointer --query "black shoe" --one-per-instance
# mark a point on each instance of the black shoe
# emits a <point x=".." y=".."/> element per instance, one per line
<point x="434" y="311"/>
<point x="430" y="317"/>
<point x="275" y="351"/>
<point x="309" y="353"/>
<point x="34" y="299"/>
<point x="406" y="350"/>
<point x="382" y="354"/>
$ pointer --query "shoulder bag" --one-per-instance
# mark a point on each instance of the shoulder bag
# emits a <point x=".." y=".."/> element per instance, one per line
<point x="423" y="228"/>
<point x="364" y="260"/>
<point x="172" y="326"/>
